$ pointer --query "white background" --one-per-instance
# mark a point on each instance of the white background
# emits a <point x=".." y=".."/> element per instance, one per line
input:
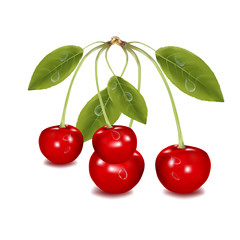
<point x="42" y="201"/>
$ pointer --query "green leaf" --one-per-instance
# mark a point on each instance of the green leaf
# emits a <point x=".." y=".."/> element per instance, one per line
<point x="189" y="73"/>
<point x="127" y="99"/>
<point x="55" y="67"/>
<point x="91" y="117"/>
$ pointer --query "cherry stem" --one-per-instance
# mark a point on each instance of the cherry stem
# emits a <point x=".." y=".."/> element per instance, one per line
<point x="106" y="57"/>
<point x="142" y="44"/>
<point x="93" y="44"/>
<point x="180" y="137"/>
<point x="99" y="94"/>
<point x="126" y="54"/>
<point x="139" y="74"/>
<point x="126" y="63"/>
<point x="62" y="124"/>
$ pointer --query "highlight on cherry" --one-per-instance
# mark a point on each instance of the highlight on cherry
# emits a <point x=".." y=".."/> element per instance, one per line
<point x="116" y="166"/>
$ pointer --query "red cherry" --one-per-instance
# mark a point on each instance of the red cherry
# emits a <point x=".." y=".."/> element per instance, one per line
<point x="118" y="177"/>
<point x="116" y="144"/>
<point x="182" y="170"/>
<point x="61" y="145"/>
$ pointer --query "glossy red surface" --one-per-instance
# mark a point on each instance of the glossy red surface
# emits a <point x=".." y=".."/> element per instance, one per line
<point x="61" y="145"/>
<point x="119" y="177"/>
<point x="114" y="145"/>
<point x="182" y="170"/>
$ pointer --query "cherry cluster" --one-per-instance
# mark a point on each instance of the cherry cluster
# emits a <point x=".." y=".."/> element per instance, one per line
<point x="115" y="165"/>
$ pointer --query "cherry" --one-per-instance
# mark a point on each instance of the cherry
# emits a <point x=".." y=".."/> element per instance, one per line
<point x="61" y="145"/>
<point x="118" y="177"/>
<point x="182" y="170"/>
<point x="116" y="144"/>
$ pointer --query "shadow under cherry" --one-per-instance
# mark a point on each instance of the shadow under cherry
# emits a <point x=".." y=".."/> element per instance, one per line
<point x="197" y="193"/>
<point x="98" y="192"/>
<point x="54" y="165"/>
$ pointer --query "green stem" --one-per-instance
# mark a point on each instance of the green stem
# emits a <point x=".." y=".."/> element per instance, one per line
<point x="143" y="44"/>
<point x="99" y="94"/>
<point x="139" y="74"/>
<point x="92" y="44"/>
<point x="180" y="137"/>
<point x="62" y="124"/>
<point x="106" y="57"/>
<point x="126" y="63"/>
<point x="126" y="54"/>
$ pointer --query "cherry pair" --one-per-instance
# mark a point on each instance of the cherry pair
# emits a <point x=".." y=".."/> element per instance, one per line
<point x="115" y="166"/>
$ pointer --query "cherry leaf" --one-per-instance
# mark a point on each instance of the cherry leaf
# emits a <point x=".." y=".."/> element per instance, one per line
<point x="55" y="67"/>
<point x="189" y="73"/>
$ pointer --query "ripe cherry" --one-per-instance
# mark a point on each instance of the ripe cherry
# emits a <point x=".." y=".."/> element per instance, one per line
<point x="182" y="170"/>
<point x="61" y="145"/>
<point x="116" y="144"/>
<point x="118" y="177"/>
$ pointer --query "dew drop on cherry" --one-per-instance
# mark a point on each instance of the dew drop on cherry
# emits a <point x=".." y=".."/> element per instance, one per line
<point x="115" y="135"/>
<point x="123" y="173"/>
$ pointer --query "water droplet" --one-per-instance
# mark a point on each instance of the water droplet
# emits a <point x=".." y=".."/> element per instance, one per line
<point x="98" y="110"/>
<point x="114" y="85"/>
<point x="55" y="77"/>
<point x="190" y="85"/>
<point x="67" y="137"/>
<point x="177" y="161"/>
<point x="115" y="135"/>
<point x="123" y="174"/>
<point x="175" y="176"/>
<point x="129" y="96"/>
<point x="67" y="149"/>
<point x="181" y="64"/>
<point x="64" y="58"/>
<point x="174" y="161"/>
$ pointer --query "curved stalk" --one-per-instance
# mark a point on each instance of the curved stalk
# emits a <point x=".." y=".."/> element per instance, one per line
<point x="126" y="63"/>
<point x="139" y="74"/>
<point x="143" y="44"/>
<point x="99" y="94"/>
<point x="92" y="44"/>
<point x="180" y="137"/>
<point x="126" y="54"/>
<point x="62" y="124"/>
<point x="106" y="57"/>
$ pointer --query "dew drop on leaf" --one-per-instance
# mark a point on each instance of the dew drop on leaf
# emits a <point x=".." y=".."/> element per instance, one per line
<point x="64" y="58"/>
<point x="129" y="96"/>
<point x="114" y="85"/>
<point x="98" y="110"/>
<point x="181" y="64"/>
<point x="55" y="77"/>
<point x="190" y="85"/>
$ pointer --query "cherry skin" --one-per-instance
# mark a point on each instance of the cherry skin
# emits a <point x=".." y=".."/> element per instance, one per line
<point x="182" y="170"/>
<point x="61" y="145"/>
<point x="118" y="177"/>
<point x="116" y="144"/>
